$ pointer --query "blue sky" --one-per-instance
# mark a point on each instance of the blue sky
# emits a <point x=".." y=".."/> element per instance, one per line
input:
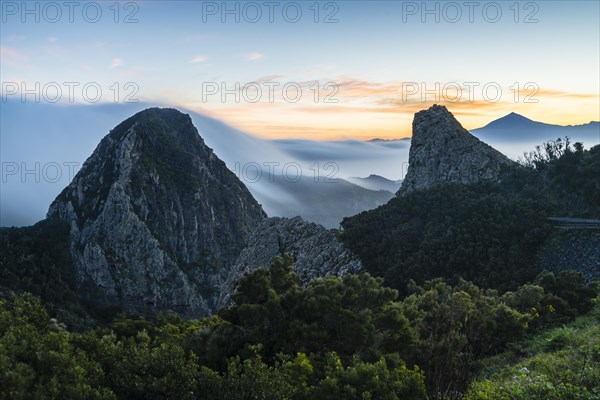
<point x="374" y="51"/>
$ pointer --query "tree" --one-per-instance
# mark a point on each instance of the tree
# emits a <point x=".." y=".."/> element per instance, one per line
<point x="37" y="359"/>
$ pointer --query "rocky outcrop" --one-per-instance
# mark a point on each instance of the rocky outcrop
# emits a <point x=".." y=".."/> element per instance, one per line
<point x="155" y="217"/>
<point x="442" y="151"/>
<point x="316" y="252"/>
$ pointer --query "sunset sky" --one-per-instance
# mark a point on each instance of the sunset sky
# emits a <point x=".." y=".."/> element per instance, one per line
<point x="370" y="60"/>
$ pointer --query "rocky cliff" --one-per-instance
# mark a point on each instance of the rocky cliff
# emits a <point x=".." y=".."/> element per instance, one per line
<point x="316" y="252"/>
<point x="442" y="150"/>
<point x="158" y="222"/>
<point x="155" y="216"/>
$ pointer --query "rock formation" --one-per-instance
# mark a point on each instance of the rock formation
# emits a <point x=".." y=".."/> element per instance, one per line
<point x="442" y="151"/>
<point x="316" y="251"/>
<point x="155" y="215"/>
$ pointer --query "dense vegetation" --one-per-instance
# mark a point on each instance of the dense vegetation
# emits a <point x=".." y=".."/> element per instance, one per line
<point x="570" y="174"/>
<point x="558" y="364"/>
<point x="36" y="259"/>
<point x="26" y="250"/>
<point x="487" y="232"/>
<point x="347" y="338"/>
<point x="478" y="232"/>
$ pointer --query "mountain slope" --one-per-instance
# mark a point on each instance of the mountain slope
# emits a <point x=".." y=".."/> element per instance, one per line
<point x="316" y="251"/>
<point x="155" y="216"/>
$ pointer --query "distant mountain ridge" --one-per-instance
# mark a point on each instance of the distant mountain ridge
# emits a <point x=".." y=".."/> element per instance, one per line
<point x="377" y="182"/>
<point x="515" y="134"/>
<point x="515" y="121"/>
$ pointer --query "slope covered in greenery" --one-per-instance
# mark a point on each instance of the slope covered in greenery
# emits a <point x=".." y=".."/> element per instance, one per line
<point x="486" y="232"/>
<point x="347" y="338"/>
<point x="36" y="259"/>
<point x="557" y="364"/>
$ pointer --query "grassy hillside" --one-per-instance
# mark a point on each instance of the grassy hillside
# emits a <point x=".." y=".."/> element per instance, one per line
<point x="556" y="364"/>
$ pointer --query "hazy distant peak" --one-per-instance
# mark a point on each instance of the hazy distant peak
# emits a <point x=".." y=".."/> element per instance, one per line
<point x="373" y="176"/>
<point x="377" y="182"/>
<point x="512" y="132"/>
<point x="514" y="117"/>
<point x="513" y="120"/>
<point x="518" y="121"/>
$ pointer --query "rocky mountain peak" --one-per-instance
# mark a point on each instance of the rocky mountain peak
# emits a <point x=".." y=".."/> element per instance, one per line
<point x="443" y="151"/>
<point x="156" y="217"/>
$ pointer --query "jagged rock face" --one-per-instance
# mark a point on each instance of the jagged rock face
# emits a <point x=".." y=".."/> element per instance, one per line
<point x="316" y="252"/>
<point x="156" y="217"/>
<point x="442" y="150"/>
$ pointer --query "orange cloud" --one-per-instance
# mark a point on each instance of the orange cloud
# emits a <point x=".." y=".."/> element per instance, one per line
<point x="367" y="110"/>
